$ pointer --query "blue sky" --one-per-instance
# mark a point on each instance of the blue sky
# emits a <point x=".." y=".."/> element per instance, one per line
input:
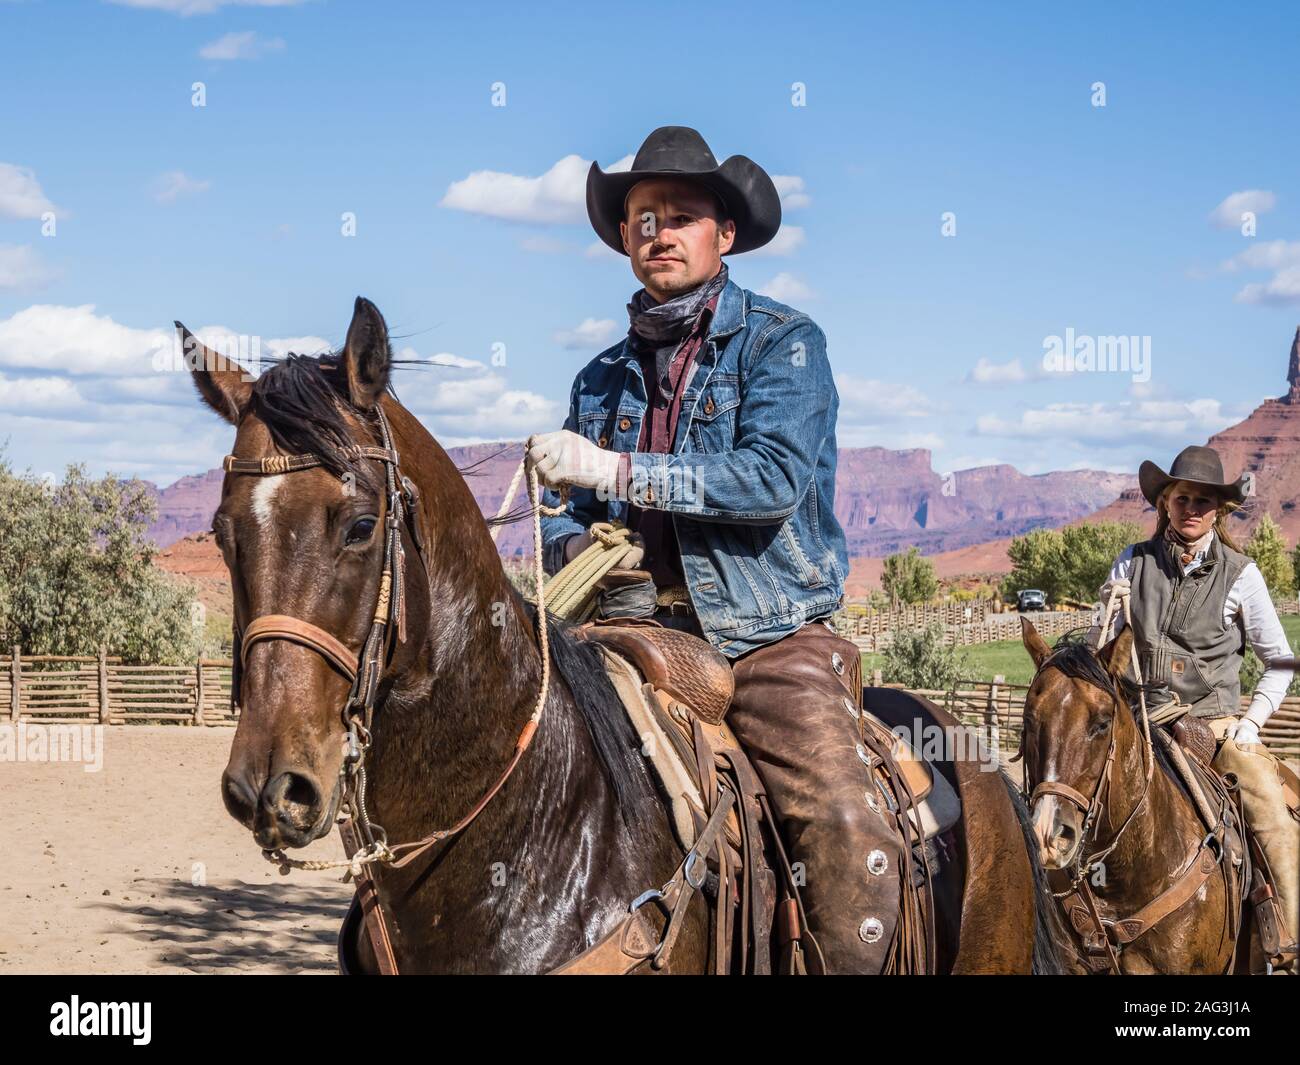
<point x="1121" y="219"/>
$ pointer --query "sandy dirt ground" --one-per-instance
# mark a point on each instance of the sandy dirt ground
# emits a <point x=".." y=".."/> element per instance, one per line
<point x="137" y="868"/>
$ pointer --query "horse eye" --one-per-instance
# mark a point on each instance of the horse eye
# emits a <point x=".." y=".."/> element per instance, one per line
<point x="360" y="531"/>
<point x="1098" y="727"/>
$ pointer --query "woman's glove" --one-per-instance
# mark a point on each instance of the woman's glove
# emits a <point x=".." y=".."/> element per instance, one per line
<point x="564" y="457"/>
<point x="1244" y="733"/>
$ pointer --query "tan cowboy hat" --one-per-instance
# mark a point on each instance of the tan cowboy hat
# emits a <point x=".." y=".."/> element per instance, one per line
<point x="747" y="193"/>
<point x="1198" y="465"/>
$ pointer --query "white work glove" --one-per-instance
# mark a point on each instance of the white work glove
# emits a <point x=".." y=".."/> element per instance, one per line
<point x="564" y="457"/>
<point x="1244" y="733"/>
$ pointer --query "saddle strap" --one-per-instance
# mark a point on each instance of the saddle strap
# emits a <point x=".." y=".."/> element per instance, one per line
<point x="632" y="942"/>
<point x="628" y="946"/>
<point x="1172" y="898"/>
<point x="1100" y="937"/>
<point x="368" y="900"/>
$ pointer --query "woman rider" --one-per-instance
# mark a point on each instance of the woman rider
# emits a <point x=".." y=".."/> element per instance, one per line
<point x="1195" y="600"/>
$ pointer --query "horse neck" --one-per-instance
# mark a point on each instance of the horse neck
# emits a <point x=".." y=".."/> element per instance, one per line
<point x="1151" y="844"/>
<point x="448" y="726"/>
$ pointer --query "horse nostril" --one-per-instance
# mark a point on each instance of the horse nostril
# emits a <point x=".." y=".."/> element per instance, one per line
<point x="239" y="798"/>
<point x="293" y="799"/>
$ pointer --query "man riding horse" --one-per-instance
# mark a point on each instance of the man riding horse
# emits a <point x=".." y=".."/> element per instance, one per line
<point x="1196" y="601"/>
<point x="710" y="432"/>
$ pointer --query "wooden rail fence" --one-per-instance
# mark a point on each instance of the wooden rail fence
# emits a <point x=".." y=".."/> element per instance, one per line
<point x="58" y="689"/>
<point x="988" y="629"/>
<point x="996" y="710"/>
<point x="99" y="689"/>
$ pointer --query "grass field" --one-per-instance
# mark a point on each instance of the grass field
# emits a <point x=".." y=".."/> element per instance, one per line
<point x="1010" y="659"/>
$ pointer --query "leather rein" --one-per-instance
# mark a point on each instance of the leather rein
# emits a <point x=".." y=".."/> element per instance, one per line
<point x="369" y="842"/>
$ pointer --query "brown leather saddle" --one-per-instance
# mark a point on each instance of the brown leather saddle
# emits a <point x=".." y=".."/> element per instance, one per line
<point x="688" y="687"/>
<point x="677" y="699"/>
<point x="683" y="666"/>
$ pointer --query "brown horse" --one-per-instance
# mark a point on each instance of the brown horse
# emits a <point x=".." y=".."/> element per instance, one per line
<point x="1122" y="830"/>
<point x="578" y="830"/>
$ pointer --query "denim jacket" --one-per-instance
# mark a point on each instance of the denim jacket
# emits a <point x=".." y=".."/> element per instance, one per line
<point x="750" y="481"/>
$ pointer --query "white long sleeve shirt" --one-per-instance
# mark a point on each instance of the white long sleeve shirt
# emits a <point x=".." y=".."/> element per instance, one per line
<point x="1248" y="598"/>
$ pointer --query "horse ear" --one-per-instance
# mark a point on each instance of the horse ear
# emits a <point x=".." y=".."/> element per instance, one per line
<point x="367" y="355"/>
<point x="1116" y="654"/>
<point x="1034" y="644"/>
<point x="223" y="384"/>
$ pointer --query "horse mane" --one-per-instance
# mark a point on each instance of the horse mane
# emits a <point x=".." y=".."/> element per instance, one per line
<point x="1073" y="656"/>
<point x="302" y="399"/>
<point x="618" y="747"/>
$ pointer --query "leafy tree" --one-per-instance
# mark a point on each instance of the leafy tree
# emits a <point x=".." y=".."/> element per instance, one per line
<point x="909" y="578"/>
<point x="76" y="571"/>
<point x="1069" y="563"/>
<point x="1269" y="551"/>
<point x="917" y="658"/>
<point x="1090" y="551"/>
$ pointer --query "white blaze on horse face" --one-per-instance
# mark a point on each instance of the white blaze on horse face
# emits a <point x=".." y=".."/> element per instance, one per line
<point x="263" y="492"/>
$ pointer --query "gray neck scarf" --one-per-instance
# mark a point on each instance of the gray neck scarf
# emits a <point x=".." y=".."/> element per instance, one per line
<point x="661" y="327"/>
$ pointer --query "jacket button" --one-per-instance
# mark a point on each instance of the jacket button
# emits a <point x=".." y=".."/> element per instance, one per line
<point x="625" y="423"/>
<point x="708" y="405"/>
<point x="603" y="441"/>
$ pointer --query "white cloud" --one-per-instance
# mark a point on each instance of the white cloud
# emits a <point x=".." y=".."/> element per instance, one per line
<point x="171" y="186"/>
<point x="885" y="436"/>
<point x="996" y="373"/>
<point x="39" y="395"/>
<point x="445" y="358"/>
<point x="1124" y="422"/>
<point x="556" y="196"/>
<point x="1228" y="214"/>
<point x="1282" y="290"/>
<point x="1281" y="256"/>
<point x="512" y="415"/>
<point x="786" y="288"/>
<point x="245" y="45"/>
<point x="864" y="399"/>
<point x="20" y="193"/>
<point x="76" y="340"/>
<point x="788" y="239"/>
<point x="791" y="190"/>
<point x="594" y="333"/>
<point x="21" y="268"/>
<point x="1266" y="255"/>
<point x="463" y="401"/>
<point x="201" y="7"/>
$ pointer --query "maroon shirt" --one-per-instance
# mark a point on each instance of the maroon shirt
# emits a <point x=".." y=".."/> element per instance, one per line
<point x="658" y="430"/>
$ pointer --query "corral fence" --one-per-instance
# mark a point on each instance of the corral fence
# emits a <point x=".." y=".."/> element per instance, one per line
<point x="867" y="633"/>
<point x="99" y="689"/>
<point x="996" y="710"/>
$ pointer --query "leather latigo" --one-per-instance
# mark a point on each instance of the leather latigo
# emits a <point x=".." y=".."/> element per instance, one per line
<point x="797" y="712"/>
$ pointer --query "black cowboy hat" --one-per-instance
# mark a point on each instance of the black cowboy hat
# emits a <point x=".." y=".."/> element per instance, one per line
<point x="747" y="193"/>
<point x="1199" y="465"/>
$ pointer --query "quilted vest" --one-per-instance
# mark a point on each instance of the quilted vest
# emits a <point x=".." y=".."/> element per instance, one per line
<point x="1182" y="641"/>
